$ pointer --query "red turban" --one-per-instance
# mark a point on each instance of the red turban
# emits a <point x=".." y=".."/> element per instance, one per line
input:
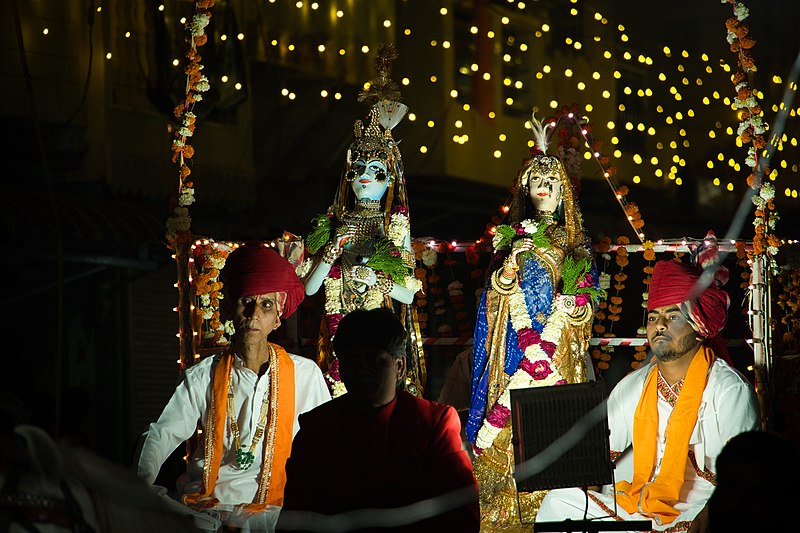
<point x="672" y="283"/>
<point x="255" y="269"/>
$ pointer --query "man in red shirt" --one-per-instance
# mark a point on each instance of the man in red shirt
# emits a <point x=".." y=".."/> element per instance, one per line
<point x="378" y="447"/>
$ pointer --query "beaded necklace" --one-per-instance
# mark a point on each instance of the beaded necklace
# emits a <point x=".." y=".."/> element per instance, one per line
<point x="269" y="406"/>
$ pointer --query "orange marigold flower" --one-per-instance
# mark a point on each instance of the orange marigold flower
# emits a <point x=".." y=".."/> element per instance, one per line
<point x="773" y="240"/>
<point x="631" y="208"/>
<point x="622" y="239"/>
<point x="600" y="315"/>
<point x="599" y="328"/>
<point x="613" y="318"/>
<point x="648" y="270"/>
<point x="200" y="40"/>
<point x="746" y="60"/>
<point x="738" y="78"/>
<point x="649" y="255"/>
<point x="622" y="251"/>
<point x="744" y="93"/>
<point x="616" y="300"/>
<point x="596" y="353"/>
<point x="185" y="171"/>
<point x="622" y="190"/>
<point x="622" y="261"/>
<point x="638" y="224"/>
<point x="759" y="142"/>
<point x="621" y="276"/>
<point x="619" y="286"/>
<point x="602" y="365"/>
<point x="188" y="151"/>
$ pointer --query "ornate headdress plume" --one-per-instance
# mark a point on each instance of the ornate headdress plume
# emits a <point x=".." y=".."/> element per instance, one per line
<point x="539" y="134"/>
<point x="373" y="137"/>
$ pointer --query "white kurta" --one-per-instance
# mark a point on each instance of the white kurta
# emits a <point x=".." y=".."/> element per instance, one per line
<point x="728" y="407"/>
<point x="189" y="404"/>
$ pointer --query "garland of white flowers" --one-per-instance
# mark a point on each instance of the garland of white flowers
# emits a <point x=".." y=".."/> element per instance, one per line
<point x="397" y="233"/>
<point x="535" y="367"/>
<point x="538" y="348"/>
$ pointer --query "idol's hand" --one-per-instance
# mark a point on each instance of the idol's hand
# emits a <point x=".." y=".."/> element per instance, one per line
<point x="363" y="274"/>
<point x="333" y="250"/>
<point x="522" y="245"/>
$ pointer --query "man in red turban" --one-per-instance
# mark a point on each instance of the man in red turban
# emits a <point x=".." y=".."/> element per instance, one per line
<point x="706" y="308"/>
<point x="674" y="414"/>
<point x="246" y="399"/>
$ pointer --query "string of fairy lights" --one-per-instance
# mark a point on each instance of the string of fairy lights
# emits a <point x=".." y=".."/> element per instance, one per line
<point x="680" y="74"/>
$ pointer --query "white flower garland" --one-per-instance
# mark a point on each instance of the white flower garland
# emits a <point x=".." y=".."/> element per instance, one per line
<point x="520" y="319"/>
<point x="398" y="229"/>
<point x="333" y="288"/>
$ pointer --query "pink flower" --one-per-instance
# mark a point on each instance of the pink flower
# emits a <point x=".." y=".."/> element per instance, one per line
<point x="581" y="299"/>
<point x="336" y="272"/>
<point x="333" y="370"/>
<point x="587" y="281"/>
<point x="498" y="416"/>
<point x="561" y="382"/>
<point x="399" y="209"/>
<point x="527" y="337"/>
<point x="538" y="370"/>
<point x="333" y="322"/>
<point x="548" y="347"/>
<point x="519" y="229"/>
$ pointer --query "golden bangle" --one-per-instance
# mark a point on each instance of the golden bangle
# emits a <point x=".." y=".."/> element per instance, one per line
<point x="384" y="284"/>
<point x="503" y="288"/>
<point x="329" y="255"/>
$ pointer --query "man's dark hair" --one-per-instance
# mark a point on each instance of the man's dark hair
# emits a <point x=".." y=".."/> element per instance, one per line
<point x="373" y="331"/>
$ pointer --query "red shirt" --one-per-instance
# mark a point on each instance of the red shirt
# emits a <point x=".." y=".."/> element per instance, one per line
<point x="346" y="458"/>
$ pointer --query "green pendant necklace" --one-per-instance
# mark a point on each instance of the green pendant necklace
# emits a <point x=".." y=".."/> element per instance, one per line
<point x="246" y="457"/>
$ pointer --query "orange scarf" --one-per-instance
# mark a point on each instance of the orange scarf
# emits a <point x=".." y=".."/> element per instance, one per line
<point x="656" y="498"/>
<point x="273" y="479"/>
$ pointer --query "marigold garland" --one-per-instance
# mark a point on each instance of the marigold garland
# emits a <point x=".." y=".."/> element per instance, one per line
<point x="599" y="354"/>
<point x="751" y="131"/>
<point x="208" y="258"/>
<point x="179" y="222"/>
<point x="649" y="255"/>
<point x="789" y="302"/>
